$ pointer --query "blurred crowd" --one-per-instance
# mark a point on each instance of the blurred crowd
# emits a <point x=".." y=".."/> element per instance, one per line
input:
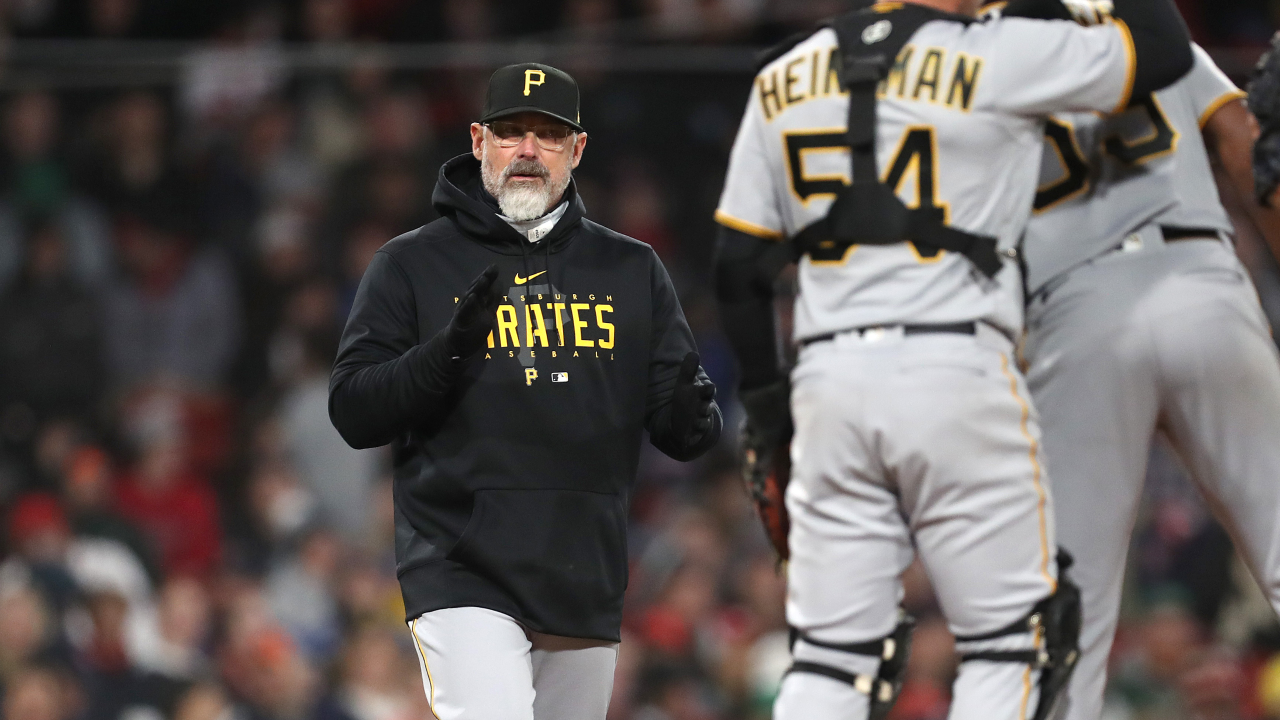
<point x="186" y="536"/>
<point x="1213" y="22"/>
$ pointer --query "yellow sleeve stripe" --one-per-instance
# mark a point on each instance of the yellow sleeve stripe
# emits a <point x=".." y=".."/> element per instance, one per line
<point x="1216" y="105"/>
<point x="1132" y="54"/>
<point x="749" y="228"/>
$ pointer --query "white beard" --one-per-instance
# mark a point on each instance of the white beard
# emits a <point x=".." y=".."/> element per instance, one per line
<point x="520" y="200"/>
<point x="524" y="201"/>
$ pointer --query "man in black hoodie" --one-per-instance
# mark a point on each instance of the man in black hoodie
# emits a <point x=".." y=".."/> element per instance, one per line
<point x="515" y="403"/>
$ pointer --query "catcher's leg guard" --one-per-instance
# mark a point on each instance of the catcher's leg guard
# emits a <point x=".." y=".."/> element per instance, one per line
<point x="883" y="687"/>
<point x="1052" y="629"/>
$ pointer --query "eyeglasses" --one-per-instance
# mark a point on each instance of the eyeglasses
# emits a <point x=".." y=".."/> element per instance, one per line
<point x="549" y="137"/>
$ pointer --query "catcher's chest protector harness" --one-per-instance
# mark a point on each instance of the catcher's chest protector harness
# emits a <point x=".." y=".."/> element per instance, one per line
<point x="956" y="129"/>
<point x="898" y="147"/>
<point x="869" y="212"/>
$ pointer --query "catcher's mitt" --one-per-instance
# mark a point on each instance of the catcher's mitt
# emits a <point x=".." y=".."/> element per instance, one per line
<point x="1264" y="102"/>
<point x="766" y="461"/>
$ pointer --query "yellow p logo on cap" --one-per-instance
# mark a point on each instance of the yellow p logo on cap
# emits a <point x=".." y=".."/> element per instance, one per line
<point x="529" y="81"/>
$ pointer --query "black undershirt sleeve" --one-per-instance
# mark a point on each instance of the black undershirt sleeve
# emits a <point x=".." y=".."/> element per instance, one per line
<point x="384" y="382"/>
<point x="1161" y="43"/>
<point x="746" y="267"/>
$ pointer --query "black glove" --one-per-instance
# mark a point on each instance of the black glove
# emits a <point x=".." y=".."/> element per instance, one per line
<point x="691" y="415"/>
<point x="1264" y="102"/>
<point x="473" y="319"/>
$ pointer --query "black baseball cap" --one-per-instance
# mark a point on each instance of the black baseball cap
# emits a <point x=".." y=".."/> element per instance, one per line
<point x="532" y="87"/>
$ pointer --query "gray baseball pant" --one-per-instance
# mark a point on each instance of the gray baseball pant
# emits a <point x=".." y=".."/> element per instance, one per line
<point x="914" y="445"/>
<point x="480" y="664"/>
<point x="1166" y="337"/>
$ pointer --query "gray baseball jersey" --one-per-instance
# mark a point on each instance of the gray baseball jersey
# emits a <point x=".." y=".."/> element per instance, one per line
<point x="1089" y="159"/>
<point x="960" y="125"/>
<point x="918" y="443"/>
<point x="1140" y="334"/>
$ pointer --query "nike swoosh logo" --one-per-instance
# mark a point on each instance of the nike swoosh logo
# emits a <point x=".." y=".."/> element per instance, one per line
<point x="521" y="281"/>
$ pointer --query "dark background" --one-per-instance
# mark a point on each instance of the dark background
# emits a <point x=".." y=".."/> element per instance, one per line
<point x="189" y="193"/>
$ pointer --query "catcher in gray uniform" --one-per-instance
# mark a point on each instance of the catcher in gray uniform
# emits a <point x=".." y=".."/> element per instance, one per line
<point x="1141" y="319"/>
<point x="894" y="153"/>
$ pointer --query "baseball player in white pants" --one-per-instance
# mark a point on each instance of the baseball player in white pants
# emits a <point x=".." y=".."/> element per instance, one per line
<point x="480" y="663"/>
<point x="909" y="444"/>
<point x="512" y="486"/>
<point x="1141" y="319"/>
<point x="897" y="151"/>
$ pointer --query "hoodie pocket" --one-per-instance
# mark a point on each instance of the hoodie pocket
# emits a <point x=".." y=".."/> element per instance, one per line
<point x="560" y="554"/>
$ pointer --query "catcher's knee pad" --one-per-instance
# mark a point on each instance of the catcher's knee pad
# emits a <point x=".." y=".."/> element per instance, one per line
<point x="1052" y="632"/>
<point x="883" y="687"/>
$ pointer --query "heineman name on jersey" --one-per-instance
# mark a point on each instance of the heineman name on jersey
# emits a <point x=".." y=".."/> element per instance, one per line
<point x="960" y="125"/>
<point x="930" y="75"/>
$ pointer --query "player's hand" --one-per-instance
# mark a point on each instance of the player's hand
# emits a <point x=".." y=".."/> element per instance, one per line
<point x="691" y="414"/>
<point x="474" y="316"/>
<point x="1089" y="12"/>
<point x="766" y="461"/>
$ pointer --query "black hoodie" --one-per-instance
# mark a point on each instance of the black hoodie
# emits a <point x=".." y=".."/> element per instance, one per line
<point x="514" y="495"/>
